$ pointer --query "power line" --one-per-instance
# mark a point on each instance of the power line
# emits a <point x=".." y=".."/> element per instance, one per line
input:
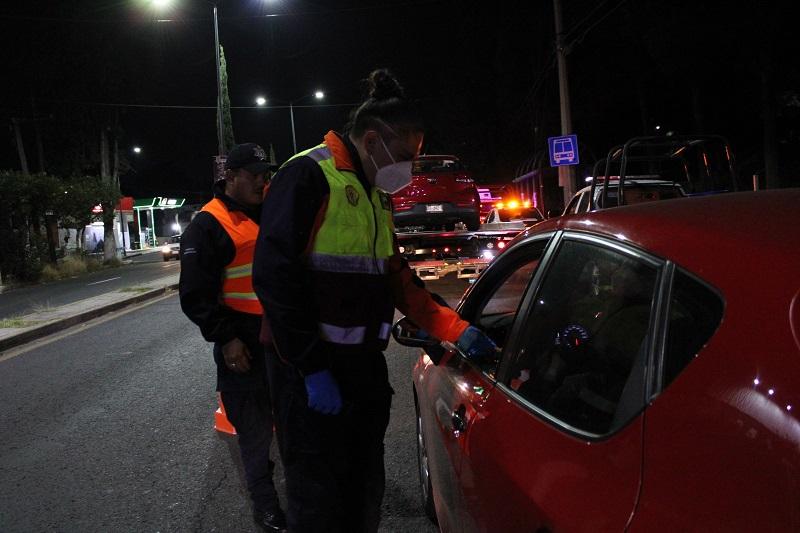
<point x="596" y="22"/>
<point x="586" y="17"/>
<point x="160" y="106"/>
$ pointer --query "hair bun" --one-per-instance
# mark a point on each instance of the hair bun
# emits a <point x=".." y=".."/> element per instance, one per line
<point x="383" y="85"/>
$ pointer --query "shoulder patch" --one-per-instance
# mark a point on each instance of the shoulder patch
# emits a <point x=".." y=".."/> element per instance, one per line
<point x="352" y="195"/>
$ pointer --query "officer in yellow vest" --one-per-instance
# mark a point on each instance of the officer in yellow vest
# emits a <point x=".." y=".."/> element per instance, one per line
<point x="328" y="274"/>
<point x="216" y="293"/>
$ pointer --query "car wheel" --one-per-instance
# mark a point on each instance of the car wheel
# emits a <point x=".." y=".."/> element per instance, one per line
<point x="425" y="487"/>
<point x="165" y="258"/>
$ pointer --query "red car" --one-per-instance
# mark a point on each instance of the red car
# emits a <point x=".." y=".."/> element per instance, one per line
<point x="441" y="193"/>
<point x="648" y="378"/>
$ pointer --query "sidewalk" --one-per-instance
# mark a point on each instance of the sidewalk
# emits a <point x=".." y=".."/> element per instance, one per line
<point x="47" y="322"/>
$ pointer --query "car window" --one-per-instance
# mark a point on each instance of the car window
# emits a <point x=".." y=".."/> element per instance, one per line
<point x="507" y="215"/>
<point x="611" y="196"/>
<point x="583" y="204"/>
<point x="572" y="208"/>
<point x="499" y="296"/>
<point x="584" y="343"/>
<point x="695" y="312"/>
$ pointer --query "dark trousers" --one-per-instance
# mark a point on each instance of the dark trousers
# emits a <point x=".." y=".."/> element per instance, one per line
<point x="250" y="412"/>
<point x="334" y="463"/>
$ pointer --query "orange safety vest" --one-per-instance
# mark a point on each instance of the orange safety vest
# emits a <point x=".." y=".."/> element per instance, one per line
<point x="237" y="279"/>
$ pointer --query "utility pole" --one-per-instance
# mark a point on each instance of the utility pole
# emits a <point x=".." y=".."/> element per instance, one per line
<point x="23" y="160"/>
<point x="565" y="173"/>
<point x="38" y="131"/>
<point x="220" y="145"/>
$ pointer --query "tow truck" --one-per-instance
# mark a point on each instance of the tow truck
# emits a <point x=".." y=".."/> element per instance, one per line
<point x="433" y="254"/>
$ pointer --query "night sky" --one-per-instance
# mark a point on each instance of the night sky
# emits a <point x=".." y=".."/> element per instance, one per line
<point x="484" y="73"/>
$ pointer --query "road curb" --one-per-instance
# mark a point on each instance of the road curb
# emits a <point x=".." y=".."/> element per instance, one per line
<point x="64" y="323"/>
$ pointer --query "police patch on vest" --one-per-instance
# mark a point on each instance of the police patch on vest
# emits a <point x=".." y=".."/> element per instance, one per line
<point x="385" y="203"/>
<point x="352" y="195"/>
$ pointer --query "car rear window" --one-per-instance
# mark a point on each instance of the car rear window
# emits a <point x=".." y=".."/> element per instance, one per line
<point x="507" y="215"/>
<point x="437" y="165"/>
<point x="695" y="312"/>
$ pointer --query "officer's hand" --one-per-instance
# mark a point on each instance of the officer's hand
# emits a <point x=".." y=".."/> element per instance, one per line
<point x="476" y="345"/>
<point x="236" y="355"/>
<point x="323" y="393"/>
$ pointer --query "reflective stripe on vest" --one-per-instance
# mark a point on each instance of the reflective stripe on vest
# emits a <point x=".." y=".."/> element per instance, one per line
<point x="237" y="278"/>
<point x="239" y="271"/>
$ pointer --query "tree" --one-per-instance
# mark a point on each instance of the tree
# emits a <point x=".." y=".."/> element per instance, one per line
<point x="227" y="123"/>
<point x="24" y="205"/>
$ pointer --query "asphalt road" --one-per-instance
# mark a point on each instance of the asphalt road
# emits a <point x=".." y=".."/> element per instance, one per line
<point x="24" y="300"/>
<point x="110" y="429"/>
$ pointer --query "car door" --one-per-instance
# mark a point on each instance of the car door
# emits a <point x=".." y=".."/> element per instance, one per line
<point x="436" y="388"/>
<point x="452" y="391"/>
<point x="557" y="444"/>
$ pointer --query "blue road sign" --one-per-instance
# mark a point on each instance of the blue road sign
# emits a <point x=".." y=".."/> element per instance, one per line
<point x="563" y="150"/>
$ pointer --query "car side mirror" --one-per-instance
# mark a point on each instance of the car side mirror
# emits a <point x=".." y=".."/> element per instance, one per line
<point x="405" y="332"/>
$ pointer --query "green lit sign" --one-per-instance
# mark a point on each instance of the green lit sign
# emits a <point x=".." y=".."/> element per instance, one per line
<point x="159" y="202"/>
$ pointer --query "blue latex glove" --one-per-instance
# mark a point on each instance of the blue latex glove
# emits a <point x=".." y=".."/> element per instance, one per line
<point x="422" y="335"/>
<point x="475" y="344"/>
<point x="323" y="393"/>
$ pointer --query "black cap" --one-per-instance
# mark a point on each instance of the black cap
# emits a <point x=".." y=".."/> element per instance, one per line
<point x="250" y="157"/>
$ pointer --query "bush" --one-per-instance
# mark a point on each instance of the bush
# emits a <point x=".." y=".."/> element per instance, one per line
<point x="49" y="273"/>
<point x="72" y="265"/>
<point x="93" y="264"/>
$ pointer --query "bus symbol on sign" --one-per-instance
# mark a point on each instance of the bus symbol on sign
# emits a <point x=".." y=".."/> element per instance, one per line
<point x="563" y="150"/>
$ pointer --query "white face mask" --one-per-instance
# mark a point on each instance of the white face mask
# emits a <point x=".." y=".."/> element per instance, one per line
<point x="394" y="177"/>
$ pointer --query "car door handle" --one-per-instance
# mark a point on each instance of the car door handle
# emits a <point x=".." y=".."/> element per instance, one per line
<point x="459" y="419"/>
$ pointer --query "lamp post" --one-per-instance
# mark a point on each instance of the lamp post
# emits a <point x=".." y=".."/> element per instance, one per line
<point x="319" y="95"/>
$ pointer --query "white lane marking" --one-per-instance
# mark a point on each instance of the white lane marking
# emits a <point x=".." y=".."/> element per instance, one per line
<point x="103" y="281"/>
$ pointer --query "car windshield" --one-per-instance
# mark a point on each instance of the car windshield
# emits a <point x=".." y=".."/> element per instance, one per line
<point x="175" y="239"/>
<point x="436" y="165"/>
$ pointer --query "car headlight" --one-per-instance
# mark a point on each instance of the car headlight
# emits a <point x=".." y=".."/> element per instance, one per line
<point x="166" y="250"/>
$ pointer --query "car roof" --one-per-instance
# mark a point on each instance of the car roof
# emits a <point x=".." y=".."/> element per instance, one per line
<point x="723" y="238"/>
<point x="432" y="156"/>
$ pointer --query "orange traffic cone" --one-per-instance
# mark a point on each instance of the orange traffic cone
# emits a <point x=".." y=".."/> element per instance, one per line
<point x="221" y="422"/>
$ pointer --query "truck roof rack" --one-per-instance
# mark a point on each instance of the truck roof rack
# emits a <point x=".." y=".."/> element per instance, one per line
<point x="655" y="150"/>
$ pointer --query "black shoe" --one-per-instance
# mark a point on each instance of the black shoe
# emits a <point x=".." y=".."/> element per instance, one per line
<point x="270" y="521"/>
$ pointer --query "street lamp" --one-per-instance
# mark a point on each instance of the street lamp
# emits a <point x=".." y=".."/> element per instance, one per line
<point x="261" y="101"/>
<point x="137" y="149"/>
<point x="319" y="95"/>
